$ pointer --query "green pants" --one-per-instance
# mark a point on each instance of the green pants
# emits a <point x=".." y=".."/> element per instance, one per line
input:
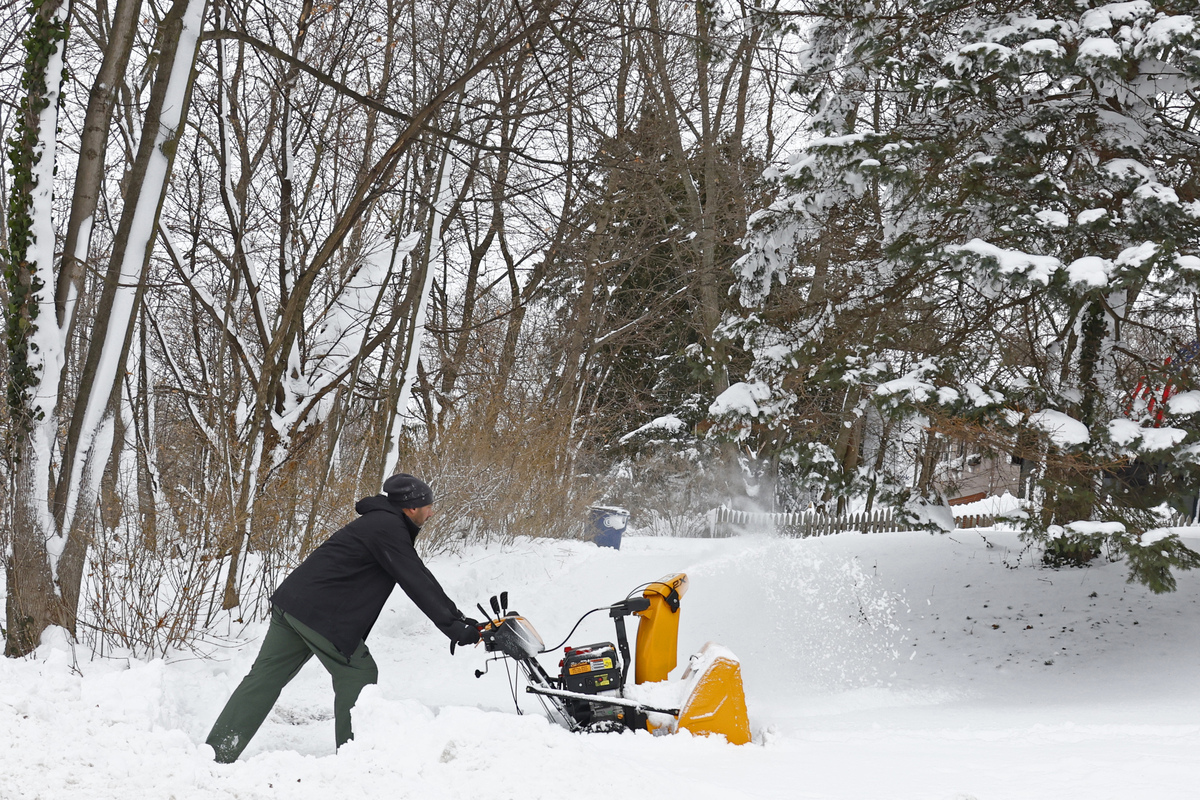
<point x="288" y="644"/>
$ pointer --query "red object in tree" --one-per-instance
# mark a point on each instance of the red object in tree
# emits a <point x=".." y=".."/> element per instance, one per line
<point x="1155" y="405"/>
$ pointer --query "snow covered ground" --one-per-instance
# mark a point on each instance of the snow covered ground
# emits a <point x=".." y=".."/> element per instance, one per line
<point x="883" y="666"/>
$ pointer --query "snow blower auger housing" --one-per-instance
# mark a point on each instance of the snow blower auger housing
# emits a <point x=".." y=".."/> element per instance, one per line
<point x="588" y="693"/>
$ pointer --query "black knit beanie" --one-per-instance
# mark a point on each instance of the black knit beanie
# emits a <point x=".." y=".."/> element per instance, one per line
<point x="408" y="492"/>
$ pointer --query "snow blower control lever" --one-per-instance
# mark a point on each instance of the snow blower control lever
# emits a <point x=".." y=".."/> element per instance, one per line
<point x="618" y="612"/>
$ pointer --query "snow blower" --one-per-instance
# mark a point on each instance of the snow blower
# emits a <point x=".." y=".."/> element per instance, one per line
<point x="589" y="691"/>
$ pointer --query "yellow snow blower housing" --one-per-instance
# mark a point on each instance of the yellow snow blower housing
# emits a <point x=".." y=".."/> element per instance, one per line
<point x="716" y="701"/>
<point x="658" y="629"/>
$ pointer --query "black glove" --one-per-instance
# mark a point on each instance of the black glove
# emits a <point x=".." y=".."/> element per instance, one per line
<point x="463" y="632"/>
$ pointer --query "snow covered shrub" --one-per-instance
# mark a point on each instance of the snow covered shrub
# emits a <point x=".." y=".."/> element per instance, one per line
<point x="996" y="222"/>
<point x="146" y="601"/>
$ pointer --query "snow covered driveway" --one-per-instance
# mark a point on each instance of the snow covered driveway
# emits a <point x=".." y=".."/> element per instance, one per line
<point x="877" y="667"/>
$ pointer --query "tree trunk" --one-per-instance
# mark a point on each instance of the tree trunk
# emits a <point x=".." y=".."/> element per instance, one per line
<point x="89" y="175"/>
<point x="34" y="344"/>
<point x="31" y="602"/>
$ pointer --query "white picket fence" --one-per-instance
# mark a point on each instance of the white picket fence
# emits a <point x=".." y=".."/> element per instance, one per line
<point x="724" y="522"/>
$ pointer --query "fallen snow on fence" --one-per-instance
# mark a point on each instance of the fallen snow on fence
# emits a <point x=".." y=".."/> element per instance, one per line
<point x="987" y="513"/>
<point x="725" y="521"/>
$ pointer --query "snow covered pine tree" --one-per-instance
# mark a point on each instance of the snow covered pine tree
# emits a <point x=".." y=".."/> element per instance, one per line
<point x="992" y="235"/>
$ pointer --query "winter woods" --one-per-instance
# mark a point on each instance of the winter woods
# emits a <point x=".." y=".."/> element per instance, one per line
<point x="258" y="258"/>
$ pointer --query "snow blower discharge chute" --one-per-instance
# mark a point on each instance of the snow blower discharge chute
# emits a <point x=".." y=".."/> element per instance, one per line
<point x="591" y="691"/>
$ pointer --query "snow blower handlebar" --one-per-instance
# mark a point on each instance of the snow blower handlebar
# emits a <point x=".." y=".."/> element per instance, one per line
<point x="509" y="634"/>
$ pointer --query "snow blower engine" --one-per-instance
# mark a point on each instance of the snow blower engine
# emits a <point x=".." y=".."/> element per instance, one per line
<point x="589" y="691"/>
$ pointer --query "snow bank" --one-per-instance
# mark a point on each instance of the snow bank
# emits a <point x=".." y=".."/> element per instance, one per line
<point x="956" y="663"/>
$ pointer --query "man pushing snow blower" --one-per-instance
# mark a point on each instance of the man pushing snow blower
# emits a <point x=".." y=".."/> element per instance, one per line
<point x="328" y="604"/>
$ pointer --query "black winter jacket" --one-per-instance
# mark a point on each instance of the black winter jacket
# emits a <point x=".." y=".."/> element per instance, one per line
<point x="341" y="587"/>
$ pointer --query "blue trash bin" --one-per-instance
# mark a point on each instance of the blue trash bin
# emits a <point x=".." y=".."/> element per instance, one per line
<point x="607" y="523"/>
